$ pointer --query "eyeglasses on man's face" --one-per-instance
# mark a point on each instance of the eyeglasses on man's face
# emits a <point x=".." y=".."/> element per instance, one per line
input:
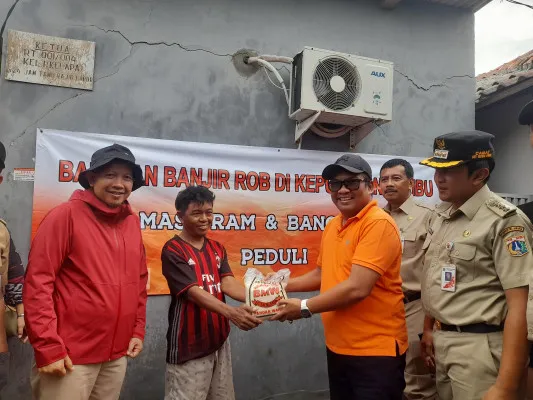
<point x="351" y="184"/>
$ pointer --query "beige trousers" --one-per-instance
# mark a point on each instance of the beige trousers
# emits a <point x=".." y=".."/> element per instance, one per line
<point x="468" y="364"/>
<point x="206" y="378"/>
<point x="86" y="382"/>
<point x="419" y="382"/>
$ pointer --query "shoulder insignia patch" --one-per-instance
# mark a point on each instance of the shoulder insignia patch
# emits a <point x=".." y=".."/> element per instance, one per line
<point x="517" y="245"/>
<point x="510" y="229"/>
<point x="500" y="208"/>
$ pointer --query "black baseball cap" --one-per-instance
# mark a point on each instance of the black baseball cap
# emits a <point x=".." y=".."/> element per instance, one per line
<point x="348" y="162"/>
<point x="111" y="153"/>
<point x="459" y="148"/>
<point x="3" y="155"/>
<point x="526" y="115"/>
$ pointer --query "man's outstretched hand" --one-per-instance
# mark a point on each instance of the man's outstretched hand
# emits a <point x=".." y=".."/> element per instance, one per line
<point x="242" y="318"/>
<point x="292" y="310"/>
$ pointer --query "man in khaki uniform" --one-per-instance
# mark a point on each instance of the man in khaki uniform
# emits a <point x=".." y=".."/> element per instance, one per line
<point x="526" y="118"/>
<point x="396" y="182"/>
<point x="4" y="265"/>
<point x="475" y="278"/>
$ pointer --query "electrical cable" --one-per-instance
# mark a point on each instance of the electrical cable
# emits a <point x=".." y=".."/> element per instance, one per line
<point x="280" y="59"/>
<point x="270" y="79"/>
<point x="270" y="67"/>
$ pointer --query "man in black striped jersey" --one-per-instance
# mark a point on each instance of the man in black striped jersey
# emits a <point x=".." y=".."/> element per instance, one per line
<point x="199" y="277"/>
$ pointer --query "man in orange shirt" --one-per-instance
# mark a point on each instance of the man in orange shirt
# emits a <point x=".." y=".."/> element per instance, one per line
<point x="361" y="299"/>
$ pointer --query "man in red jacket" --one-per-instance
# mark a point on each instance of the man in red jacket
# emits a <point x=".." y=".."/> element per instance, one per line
<point x="85" y="292"/>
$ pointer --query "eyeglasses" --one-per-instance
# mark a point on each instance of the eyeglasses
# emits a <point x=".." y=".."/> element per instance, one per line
<point x="350" y="184"/>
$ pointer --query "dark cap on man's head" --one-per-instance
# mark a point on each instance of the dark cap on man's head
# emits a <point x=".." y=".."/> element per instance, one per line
<point x="111" y="153"/>
<point x="526" y="115"/>
<point x="459" y="148"/>
<point x="3" y="155"/>
<point x="348" y="162"/>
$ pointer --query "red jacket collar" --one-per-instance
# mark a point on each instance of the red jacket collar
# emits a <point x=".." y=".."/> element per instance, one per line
<point x="88" y="197"/>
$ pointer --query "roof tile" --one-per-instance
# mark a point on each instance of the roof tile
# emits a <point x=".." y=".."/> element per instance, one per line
<point x="505" y="76"/>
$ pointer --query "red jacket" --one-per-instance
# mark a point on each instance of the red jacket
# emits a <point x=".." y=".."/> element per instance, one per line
<point x="85" y="289"/>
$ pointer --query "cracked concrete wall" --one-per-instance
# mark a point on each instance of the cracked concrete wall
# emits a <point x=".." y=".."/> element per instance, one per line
<point x="513" y="150"/>
<point x="164" y="70"/>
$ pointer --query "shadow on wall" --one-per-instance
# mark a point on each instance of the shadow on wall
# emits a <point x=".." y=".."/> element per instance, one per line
<point x="20" y="364"/>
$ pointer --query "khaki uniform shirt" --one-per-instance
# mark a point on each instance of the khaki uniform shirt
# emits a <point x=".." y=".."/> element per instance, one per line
<point x="489" y="243"/>
<point x="4" y="256"/>
<point x="530" y="303"/>
<point x="413" y="221"/>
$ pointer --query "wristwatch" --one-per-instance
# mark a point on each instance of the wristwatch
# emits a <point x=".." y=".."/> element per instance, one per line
<point x="304" y="310"/>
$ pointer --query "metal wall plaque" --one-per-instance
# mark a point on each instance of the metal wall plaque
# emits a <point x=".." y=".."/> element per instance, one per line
<point x="49" y="60"/>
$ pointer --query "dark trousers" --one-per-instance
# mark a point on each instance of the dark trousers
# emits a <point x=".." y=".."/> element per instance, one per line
<point x="365" y="377"/>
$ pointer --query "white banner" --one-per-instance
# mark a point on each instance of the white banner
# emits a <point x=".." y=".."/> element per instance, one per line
<point x="271" y="204"/>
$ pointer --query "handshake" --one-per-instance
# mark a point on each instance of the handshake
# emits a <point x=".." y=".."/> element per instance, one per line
<point x="246" y="317"/>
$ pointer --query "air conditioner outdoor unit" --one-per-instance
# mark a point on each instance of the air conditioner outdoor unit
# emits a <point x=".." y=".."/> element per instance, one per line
<point x="341" y="88"/>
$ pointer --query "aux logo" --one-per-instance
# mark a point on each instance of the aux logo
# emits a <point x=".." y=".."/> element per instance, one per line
<point x="378" y="74"/>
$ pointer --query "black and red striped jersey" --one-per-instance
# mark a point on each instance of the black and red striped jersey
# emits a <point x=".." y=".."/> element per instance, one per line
<point x="194" y="332"/>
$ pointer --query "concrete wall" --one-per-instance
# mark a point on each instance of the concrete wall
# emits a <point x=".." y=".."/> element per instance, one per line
<point x="190" y="90"/>
<point x="514" y="154"/>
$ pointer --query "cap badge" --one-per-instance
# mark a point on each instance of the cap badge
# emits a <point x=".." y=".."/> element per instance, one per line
<point x="440" y="154"/>
<point x="440" y="144"/>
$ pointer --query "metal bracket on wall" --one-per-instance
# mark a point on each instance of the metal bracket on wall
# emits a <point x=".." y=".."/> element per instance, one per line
<point x="360" y="132"/>
<point x="303" y="126"/>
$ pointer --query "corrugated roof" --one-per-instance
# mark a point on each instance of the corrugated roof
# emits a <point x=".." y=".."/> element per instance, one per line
<point x="506" y="80"/>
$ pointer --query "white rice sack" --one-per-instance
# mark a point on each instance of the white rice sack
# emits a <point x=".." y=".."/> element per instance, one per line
<point x="263" y="294"/>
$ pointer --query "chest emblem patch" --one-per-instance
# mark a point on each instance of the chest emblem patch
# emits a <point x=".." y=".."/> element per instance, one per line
<point x="517" y="245"/>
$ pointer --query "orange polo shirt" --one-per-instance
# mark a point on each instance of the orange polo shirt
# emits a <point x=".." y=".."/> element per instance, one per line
<point x="375" y="325"/>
